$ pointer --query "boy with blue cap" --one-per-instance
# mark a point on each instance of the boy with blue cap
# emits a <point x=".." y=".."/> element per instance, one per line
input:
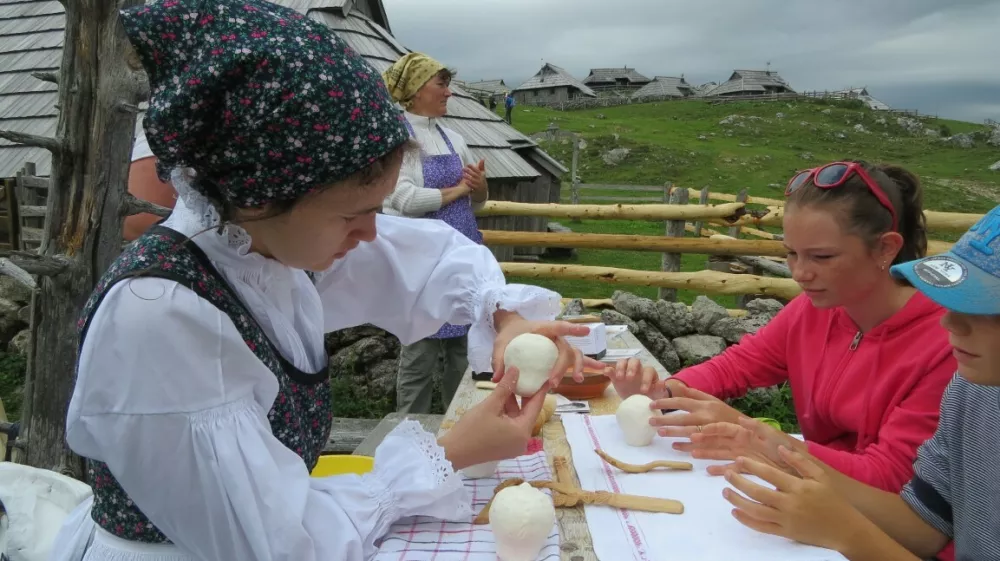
<point x="955" y="491"/>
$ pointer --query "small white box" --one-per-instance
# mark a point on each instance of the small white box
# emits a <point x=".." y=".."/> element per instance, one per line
<point x="594" y="344"/>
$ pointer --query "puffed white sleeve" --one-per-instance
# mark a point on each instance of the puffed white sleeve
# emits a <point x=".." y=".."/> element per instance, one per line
<point x="176" y="406"/>
<point x="418" y="275"/>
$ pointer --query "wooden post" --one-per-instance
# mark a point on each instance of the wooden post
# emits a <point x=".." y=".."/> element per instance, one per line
<point x="674" y="228"/>
<point x="702" y="200"/>
<point x="734" y="232"/>
<point x="574" y="190"/>
<point x="86" y="204"/>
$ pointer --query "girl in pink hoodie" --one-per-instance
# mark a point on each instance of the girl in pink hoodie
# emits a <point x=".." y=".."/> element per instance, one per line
<point x="864" y="354"/>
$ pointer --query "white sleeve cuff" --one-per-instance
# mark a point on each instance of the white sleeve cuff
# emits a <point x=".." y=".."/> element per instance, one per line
<point x="412" y="477"/>
<point x="533" y="303"/>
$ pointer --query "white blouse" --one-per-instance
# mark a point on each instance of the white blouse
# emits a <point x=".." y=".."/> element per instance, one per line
<point x="410" y="197"/>
<point x="170" y="397"/>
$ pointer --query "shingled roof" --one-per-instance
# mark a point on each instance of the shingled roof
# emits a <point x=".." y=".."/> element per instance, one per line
<point x="752" y="81"/>
<point x="495" y="87"/>
<point x="599" y="76"/>
<point x="665" y="86"/>
<point x="31" y="39"/>
<point x="551" y="76"/>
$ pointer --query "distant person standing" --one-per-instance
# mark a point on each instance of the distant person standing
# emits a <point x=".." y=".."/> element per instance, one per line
<point x="493" y="103"/>
<point x="509" y="104"/>
<point x="443" y="181"/>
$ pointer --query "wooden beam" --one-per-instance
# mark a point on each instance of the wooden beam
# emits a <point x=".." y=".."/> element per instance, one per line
<point x="49" y="143"/>
<point x="660" y="244"/>
<point x="655" y="212"/>
<point x="708" y="282"/>
<point x="133" y="205"/>
<point x="50" y="77"/>
<point x="608" y="303"/>
<point x="31" y="211"/>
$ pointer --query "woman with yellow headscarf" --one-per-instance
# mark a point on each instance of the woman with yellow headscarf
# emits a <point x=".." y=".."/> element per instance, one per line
<point x="444" y="182"/>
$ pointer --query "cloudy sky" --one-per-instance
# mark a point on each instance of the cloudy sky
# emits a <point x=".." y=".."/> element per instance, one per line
<point x="937" y="56"/>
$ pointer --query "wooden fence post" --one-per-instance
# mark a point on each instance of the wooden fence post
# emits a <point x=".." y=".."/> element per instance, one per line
<point x="734" y="232"/>
<point x="675" y="229"/>
<point x="574" y="190"/>
<point x="702" y="200"/>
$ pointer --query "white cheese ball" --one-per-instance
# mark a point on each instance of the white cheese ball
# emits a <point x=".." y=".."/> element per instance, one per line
<point x="521" y="518"/>
<point x="633" y="418"/>
<point x="534" y="356"/>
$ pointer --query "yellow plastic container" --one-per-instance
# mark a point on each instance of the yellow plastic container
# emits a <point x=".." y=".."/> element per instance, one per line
<point x="339" y="465"/>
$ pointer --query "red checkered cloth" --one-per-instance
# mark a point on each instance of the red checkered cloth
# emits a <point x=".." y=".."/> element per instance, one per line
<point x="422" y="538"/>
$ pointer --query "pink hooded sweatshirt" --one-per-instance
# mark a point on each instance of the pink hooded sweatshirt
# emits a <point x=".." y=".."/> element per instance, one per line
<point x="864" y="402"/>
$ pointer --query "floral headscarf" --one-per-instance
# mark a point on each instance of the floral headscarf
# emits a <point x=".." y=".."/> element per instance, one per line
<point x="259" y="100"/>
<point x="409" y="74"/>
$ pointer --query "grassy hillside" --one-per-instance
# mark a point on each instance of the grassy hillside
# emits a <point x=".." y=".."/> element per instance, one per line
<point x="686" y="143"/>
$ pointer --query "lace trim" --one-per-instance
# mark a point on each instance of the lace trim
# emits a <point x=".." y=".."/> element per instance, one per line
<point x="200" y="214"/>
<point x="446" y="478"/>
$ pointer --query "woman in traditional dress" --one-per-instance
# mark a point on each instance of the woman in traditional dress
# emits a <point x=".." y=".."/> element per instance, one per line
<point x="202" y="397"/>
<point x="442" y="181"/>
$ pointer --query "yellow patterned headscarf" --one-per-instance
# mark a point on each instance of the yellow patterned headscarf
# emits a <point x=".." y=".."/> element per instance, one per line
<point x="408" y="75"/>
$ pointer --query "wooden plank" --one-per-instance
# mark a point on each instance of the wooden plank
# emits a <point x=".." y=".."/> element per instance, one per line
<point x="575" y="543"/>
<point x="31" y="234"/>
<point x="734" y="232"/>
<point x="431" y="423"/>
<point x="31" y="211"/>
<point x="347" y="434"/>
<point x="585" y="198"/>
<point x="703" y="200"/>
<point x="33" y="182"/>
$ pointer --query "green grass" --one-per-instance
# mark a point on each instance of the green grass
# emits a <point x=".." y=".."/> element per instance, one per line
<point x="665" y="144"/>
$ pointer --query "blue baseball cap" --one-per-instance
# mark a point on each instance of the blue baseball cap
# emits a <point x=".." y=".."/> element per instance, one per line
<point x="967" y="278"/>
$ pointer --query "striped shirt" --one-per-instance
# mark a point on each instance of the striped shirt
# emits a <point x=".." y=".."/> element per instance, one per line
<point x="956" y="484"/>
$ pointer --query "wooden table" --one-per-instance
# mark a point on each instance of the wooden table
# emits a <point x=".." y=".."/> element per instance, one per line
<point x="574" y="536"/>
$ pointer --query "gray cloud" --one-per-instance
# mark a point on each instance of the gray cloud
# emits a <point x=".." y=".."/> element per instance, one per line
<point x="931" y="55"/>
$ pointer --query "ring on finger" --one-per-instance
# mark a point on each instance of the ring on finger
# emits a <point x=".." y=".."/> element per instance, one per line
<point x="699" y="428"/>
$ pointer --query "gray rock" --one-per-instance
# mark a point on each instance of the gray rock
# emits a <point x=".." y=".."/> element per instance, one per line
<point x="615" y="156"/>
<point x="611" y="317"/>
<point x="339" y="339"/>
<point x="826" y="111"/>
<point x="635" y="307"/>
<point x="381" y="377"/>
<point x="733" y="329"/>
<point x="9" y="327"/>
<point x="353" y="358"/>
<point x="696" y="349"/>
<point x="13" y="290"/>
<point x="994" y="139"/>
<point x="881" y="121"/>
<point x="996" y="166"/>
<point x="24" y="314"/>
<point x="9" y="308"/>
<point x="806" y="155"/>
<point x="765" y="307"/>
<point x="574" y="307"/>
<point x="932" y="132"/>
<point x="730" y="120"/>
<point x="658" y="345"/>
<point x="963" y="140"/>
<point x="860" y="128"/>
<point x="20" y="343"/>
<point x="673" y="319"/>
<point x="779" y="115"/>
<point x="705" y="312"/>
<point x="911" y="125"/>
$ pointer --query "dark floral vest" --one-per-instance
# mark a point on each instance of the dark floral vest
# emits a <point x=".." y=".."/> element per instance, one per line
<point x="301" y="416"/>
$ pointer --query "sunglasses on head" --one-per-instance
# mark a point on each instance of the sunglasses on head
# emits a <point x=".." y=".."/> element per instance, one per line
<point x="836" y="174"/>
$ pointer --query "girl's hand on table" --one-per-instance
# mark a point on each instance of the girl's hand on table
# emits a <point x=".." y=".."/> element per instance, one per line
<point x="803" y="507"/>
<point x="749" y="438"/>
<point x="698" y="410"/>
<point x="630" y="377"/>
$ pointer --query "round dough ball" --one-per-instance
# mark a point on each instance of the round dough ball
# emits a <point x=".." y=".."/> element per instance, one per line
<point x="521" y="518"/>
<point x="633" y="417"/>
<point x="534" y="356"/>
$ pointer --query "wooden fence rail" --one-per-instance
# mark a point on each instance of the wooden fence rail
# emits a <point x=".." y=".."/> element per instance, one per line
<point x="708" y="282"/>
<point x="722" y="214"/>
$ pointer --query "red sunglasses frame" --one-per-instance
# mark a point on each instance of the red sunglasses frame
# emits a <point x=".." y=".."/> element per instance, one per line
<point x="805" y="176"/>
